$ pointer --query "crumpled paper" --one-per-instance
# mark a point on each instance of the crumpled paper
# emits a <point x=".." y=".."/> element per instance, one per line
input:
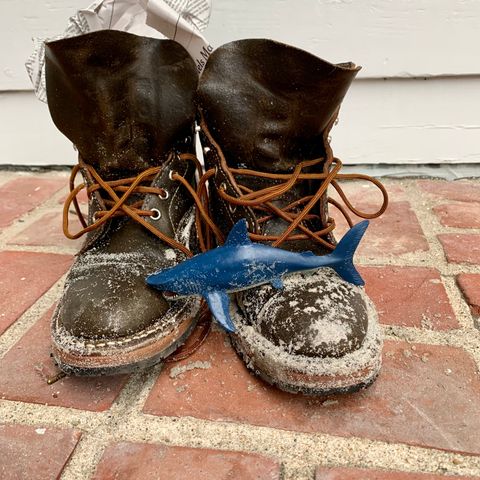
<point x="180" y="20"/>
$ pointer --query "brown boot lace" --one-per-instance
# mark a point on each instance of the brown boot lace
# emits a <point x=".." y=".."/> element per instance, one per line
<point x="262" y="200"/>
<point x="120" y="191"/>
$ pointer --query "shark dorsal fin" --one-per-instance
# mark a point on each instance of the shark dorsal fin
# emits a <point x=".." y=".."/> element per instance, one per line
<point x="238" y="235"/>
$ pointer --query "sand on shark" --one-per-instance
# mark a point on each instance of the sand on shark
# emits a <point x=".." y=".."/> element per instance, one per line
<point x="240" y="264"/>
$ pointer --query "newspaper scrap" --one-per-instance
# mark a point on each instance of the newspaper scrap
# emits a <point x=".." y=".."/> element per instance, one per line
<point x="180" y="20"/>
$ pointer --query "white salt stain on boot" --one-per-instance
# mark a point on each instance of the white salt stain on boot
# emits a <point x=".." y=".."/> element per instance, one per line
<point x="170" y="254"/>
<point x="330" y="331"/>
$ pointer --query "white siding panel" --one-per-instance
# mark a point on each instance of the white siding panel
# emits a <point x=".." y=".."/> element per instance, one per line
<point x="28" y="135"/>
<point x="410" y="121"/>
<point x="19" y="22"/>
<point x="381" y="122"/>
<point x="389" y="38"/>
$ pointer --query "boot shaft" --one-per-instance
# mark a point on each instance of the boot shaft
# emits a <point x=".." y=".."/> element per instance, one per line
<point x="123" y="100"/>
<point x="127" y="104"/>
<point x="267" y="107"/>
<point x="268" y="104"/>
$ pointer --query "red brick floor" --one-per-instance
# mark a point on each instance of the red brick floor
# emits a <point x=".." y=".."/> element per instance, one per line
<point x="23" y="194"/>
<point x="127" y="461"/>
<point x="461" y="247"/>
<point x="469" y="284"/>
<point x="363" y="474"/>
<point x="24" y="277"/>
<point x="419" y="387"/>
<point x="207" y="416"/>
<point x="460" y="215"/>
<point x="26" y="366"/>
<point x="47" y="231"/>
<point x="460" y="191"/>
<point x="410" y="296"/>
<point x="395" y="233"/>
<point x="35" y="453"/>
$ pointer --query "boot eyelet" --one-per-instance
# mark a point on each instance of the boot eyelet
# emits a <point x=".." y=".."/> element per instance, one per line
<point x="158" y="214"/>
<point x="206" y="150"/>
<point x="171" y="174"/>
<point x="223" y="186"/>
<point x="164" y="195"/>
<point x="232" y="207"/>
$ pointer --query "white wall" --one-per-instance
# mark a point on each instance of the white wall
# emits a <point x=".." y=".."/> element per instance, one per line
<point x="391" y="115"/>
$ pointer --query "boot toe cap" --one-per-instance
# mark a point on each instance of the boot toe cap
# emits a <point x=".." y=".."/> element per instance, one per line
<point x="108" y="302"/>
<point x="315" y="315"/>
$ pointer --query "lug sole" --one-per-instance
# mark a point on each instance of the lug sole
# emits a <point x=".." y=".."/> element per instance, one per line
<point x="116" y="361"/>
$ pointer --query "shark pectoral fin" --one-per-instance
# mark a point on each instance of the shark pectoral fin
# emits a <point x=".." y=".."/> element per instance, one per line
<point x="277" y="283"/>
<point x="219" y="303"/>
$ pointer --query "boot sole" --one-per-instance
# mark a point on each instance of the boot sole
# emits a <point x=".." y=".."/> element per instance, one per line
<point x="310" y="375"/>
<point x="106" y="359"/>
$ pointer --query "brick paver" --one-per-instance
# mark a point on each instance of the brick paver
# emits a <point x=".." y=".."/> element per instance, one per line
<point x="82" y="198"/>
<point x="126" y="461"/>
<point x="34" y="453"/>
<point x="23" y="194"/>
<point x="26" y="367"/>
<point x="427" y="394"/>
<point x="461" y="248"/>
<point x="364" y="474"/>
<point x="47" y="231"/>
<point x="24" y="277"/>
<point x="459" y="215"/>
<point x="409" y="296"/>
<point x="460" y="191"/>
<point x="396" y="232"/>
<point x="367" y="197"/>
<point x="469" y="284"/>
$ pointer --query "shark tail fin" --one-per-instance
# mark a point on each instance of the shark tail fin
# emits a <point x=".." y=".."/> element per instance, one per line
<point x="344" y="252"/>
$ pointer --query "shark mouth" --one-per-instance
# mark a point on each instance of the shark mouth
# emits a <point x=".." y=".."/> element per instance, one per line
<point x="170" y="296"/>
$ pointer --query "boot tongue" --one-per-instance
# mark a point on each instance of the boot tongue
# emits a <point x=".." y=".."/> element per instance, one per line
<point x="123" y="100"/>
<point x="268" y="104"/>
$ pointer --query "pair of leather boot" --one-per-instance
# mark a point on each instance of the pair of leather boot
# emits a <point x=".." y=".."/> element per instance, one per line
<point x="265" y="110"/>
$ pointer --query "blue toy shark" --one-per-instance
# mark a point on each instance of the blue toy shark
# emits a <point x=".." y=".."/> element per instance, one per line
<point x="240" y="264"/>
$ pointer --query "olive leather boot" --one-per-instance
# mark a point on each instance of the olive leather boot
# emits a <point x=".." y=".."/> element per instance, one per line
<point x="126" y="103"/>
<point x="266" y="110"/>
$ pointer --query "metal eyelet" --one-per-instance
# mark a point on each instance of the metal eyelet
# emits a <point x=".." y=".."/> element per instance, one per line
<point x="171" y="174"/>
<point x="198" y="128"/>
<point x="206" y="150"/>
<point x="232" y="207"/>
<point x="163" y="196"/>
<point x="223" y="186"/>
<point x="158" y="214"/>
